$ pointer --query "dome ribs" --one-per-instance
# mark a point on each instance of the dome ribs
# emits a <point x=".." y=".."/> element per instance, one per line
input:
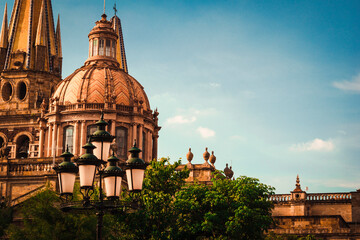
<point x="112" y="95"/>
<point x="85" y="85"/>
<point x="130" y="87"/>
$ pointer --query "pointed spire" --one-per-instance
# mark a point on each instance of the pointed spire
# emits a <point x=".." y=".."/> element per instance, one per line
<point x="58" y="38"/>
<point x="4" y="30"/>
<point x="41" y="29"/>
<point x="120" y="46"/>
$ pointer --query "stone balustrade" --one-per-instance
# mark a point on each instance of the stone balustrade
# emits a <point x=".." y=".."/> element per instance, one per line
<point x="280" y="197"/>
<point x="328" y="196"/>
<point x="22" y="167"/>
<point x="311" y="231"/>
<point x="313" y="197"/>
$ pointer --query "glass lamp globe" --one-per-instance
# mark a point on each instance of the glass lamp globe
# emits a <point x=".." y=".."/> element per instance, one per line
<point x="66" y="172"/>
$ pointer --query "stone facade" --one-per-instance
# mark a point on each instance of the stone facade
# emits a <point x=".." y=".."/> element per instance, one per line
<point x="325" y="215"/>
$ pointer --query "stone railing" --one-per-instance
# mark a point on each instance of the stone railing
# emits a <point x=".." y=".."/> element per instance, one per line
<point x="313" y="197"/>
<point x="310" y="231"/>
<point x="28" y="167"/>
<point x="124" y="108"/>
<point x="96" y="106"/>
<point x="328" y="196"/>
<point x="280" y="197"/>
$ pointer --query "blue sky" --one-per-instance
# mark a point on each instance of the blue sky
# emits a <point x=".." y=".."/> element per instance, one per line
<point x="273" y="87"/>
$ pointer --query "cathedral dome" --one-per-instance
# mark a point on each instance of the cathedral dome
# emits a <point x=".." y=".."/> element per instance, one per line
<point x="101" y="82"/>
<point x="103" y="78"/>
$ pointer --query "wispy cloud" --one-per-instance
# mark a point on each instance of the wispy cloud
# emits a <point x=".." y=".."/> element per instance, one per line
<point x="353" y="85"/>
<point x="179" y="119"/>
<point x="205" y="132"/>
<point x="215" y="85"/>
<point x="314" y="145"/>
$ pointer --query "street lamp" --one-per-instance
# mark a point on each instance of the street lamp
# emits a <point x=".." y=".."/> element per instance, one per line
<point x="113" y="178"/>
<point x="101" y="139"/>
<point x="89" y="165"/>
<point x="66" y="174"/>
<point x="135" y="168"/>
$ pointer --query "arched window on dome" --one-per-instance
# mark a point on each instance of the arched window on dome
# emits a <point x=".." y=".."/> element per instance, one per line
<point x="121" y="134"/>
<point x="95" y="47"/>
<point x="108" y="47"/>
<point x="101" y="47"/>
<point x="68" y="139"/>
<point x="90" y="130"/>
<point x="143" y="145"/>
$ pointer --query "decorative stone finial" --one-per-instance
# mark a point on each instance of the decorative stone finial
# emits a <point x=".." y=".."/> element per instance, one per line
<point x="297" y="185"/>
<point x="206" y="155"/>
<point x="212" y="158"/>
<point x="189" y="155"/>
<point x="228" y="172"/>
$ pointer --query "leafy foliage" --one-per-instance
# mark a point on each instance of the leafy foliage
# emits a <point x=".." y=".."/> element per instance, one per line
<point x="5" y="217"/>
<point x="42" y="219"/>
<point x="224" y="210"/>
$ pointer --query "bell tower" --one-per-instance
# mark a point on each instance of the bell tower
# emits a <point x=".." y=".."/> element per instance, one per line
<point x="30" y="56"/>
<point x="30" y="68"/>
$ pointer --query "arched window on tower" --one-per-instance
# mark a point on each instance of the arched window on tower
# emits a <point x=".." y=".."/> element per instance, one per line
<point x="68" y="139"/>
<point x="90" y="130"/>
<point x="121" y="142"/>
<point x="22" y="146"/>
<point x="143" y="145"/>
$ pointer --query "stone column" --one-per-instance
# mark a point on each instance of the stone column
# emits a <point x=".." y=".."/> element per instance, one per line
<point x="59" y="140"/>
<point x="149" y="145"/>
<point x="41" y="141"/>
<point x="140" y="145"/>
<point x="134" y="134"/>
<point x="54" y="139"/>
<point x="82" y="137"/>
<point x="155" y="145"/>
<point x="113" y="126"/>
<point x="49" y="142"/>
<point x="76" y="138"/>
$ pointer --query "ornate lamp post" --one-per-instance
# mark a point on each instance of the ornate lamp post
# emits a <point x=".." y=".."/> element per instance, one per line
<point x="113" y="176"/>
<point x="89" y="165"/>
<point x="102" y="139"/>
<point x="66" y="172"/>
<point x="135" y="168"/>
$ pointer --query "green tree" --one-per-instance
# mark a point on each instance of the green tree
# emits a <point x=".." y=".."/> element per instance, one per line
<point x="5" y="216"/>
<point x="226" y="209"/>
<point x="236" y="209"/>
<point x="42" y="219"/>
